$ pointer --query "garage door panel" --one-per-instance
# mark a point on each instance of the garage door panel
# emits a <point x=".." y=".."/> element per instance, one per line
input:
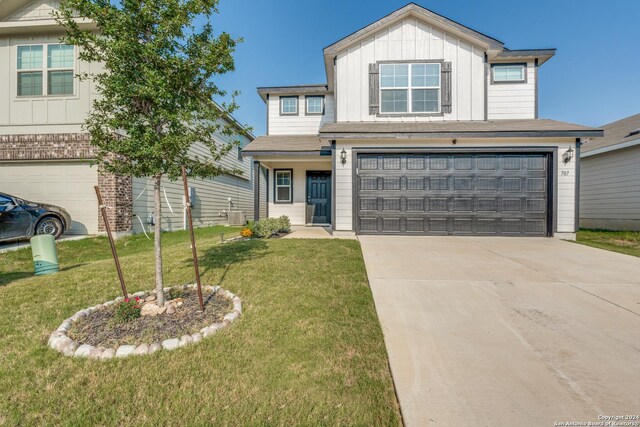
<point x="465" y="194"/>
<point x="66" y="184"/>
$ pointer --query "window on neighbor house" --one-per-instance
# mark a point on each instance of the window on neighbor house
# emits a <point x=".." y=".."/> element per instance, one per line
<point x="509" y="73"/>
<point x="53" y="76"/>
<point x="410" y="88"/>
<point x="315" y="105"/>
<point x="283" y="186"/>
<point x="289" y="105"/>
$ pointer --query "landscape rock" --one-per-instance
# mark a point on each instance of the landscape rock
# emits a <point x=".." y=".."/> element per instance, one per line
<point x="83" y="350"/>
<point x="108" y="303"/>
<point x="125" y="350"/>
<point x="150" y="298"/>
<point x="196" y="338"/>
<point x="171" y="344"/>
<point x="155" y="347"/>
<point x="78" y="315"/>
<point x="118" y="299"/>
<point x="185" y="340"/>
<point x="171" y="309"/>
<point x="108" y="354"/>
<point x="141" y="349"/>
<point x="231" y="316"/>
<point x="96" y="352"/>
<point x="139" y="294"/>
<point x="151" y="309"/>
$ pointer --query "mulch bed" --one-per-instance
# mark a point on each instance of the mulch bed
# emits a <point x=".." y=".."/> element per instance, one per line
<point x="100" y="329"/>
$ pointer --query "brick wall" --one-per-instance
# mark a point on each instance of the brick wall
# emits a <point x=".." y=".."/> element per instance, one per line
<point x="116" y="190"/>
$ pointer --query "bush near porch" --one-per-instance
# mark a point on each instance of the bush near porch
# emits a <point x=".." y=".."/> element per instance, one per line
<point x="307" y="351"/>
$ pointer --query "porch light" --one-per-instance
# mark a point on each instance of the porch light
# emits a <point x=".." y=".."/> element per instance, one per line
<point x="568" y="155"/>
<point x="343" y="156"/>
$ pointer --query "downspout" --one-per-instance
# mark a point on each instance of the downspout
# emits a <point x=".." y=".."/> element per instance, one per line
<point x="577" y="198"/>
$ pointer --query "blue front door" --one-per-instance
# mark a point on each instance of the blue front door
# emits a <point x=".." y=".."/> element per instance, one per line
<point x="318" y="197"/>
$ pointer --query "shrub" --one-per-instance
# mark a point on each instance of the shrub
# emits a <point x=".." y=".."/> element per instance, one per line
<point x="284" y="225"/>
<point x="246" y="232"/>
<point x="266" y="228"/>
<point x="127" y="310"/>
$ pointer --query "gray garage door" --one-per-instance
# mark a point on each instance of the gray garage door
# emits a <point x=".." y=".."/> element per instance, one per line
<point x="465" y="194"/>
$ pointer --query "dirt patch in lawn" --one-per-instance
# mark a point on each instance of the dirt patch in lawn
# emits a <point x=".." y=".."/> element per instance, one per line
<point x="100" y="329"/>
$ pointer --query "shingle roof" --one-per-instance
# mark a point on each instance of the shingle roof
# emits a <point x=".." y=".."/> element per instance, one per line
<point x="616" y="133"/>
<point x="299" y="144"/>
<point x="459" y="129"/>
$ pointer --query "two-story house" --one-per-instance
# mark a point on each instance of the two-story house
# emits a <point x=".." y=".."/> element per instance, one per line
<point x="45" y="155"/>
<point x="424" y="126"/>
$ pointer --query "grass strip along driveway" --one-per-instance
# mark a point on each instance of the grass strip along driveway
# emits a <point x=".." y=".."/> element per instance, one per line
<point x="626" y="242"/>
<point x="308" y="350"/>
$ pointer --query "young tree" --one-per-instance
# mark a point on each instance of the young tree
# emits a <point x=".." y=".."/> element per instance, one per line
<point x="156" y="92"/>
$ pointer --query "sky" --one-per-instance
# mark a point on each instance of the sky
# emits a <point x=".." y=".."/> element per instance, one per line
<point x="594" y="78"/>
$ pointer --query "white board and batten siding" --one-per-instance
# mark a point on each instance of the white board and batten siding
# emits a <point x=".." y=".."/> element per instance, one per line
<point x="299" y="124"/>
<point x="41" y="114"/>
<point x="408" y="40"/>
<point x="610" y="190"/>
<point x="564" y="175"/>
<point x="211" y="195"/>
<point x="512" y="100"/>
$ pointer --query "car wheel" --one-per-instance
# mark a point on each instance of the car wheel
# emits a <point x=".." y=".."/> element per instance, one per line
<point x="50" y="225"/>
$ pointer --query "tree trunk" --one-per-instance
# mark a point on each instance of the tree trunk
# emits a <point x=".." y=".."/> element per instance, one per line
<point x="157" y="245"/>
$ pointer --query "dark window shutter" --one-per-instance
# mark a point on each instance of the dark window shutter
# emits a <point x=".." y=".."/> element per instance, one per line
<point x="374" y="86"/>
<point x="446" y="87"/>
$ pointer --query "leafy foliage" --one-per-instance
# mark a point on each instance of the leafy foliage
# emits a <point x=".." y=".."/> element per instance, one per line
<point x="127" y="310"/>
<point x="269" y="227"/>
<point x="156" y="93"/>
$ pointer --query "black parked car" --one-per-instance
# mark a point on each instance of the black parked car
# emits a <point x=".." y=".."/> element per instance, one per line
<point x="21" y="219"/>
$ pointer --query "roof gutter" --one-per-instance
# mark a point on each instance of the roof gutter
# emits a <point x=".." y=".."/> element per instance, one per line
<point x="477" y="134"/>
<point x="610" y="148"/>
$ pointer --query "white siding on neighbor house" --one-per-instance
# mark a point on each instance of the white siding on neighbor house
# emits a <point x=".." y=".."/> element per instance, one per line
<point x="36" y="10"/>
<point x="565" y="210"/>
<point x="610" y="190"/>
<point x="41" y="114"/>
<point x="296" y="211"/>
<point x="512" y="100"/>
<point x="211" y="195"/>
<point x="411" y="39"/>
<point x="300" y="124"/>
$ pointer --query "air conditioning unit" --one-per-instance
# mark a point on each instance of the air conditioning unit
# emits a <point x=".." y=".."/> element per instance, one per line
<point x="237" y="218"/>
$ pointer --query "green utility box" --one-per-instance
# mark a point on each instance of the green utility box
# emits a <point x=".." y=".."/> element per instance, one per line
<point x="45" y="254"/>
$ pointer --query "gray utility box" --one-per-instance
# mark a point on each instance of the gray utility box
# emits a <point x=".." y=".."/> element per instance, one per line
<point x="237" y="218"/>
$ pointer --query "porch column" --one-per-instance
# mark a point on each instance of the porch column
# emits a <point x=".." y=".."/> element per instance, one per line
<point x="256" y="190"/>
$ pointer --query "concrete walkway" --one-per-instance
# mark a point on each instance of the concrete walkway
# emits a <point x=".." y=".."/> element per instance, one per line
<point x="507" y="331"/>
<point x="313" y="232"/>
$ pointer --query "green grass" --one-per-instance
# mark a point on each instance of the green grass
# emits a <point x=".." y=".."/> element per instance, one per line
<point x="307" y="351"/>
<point x="626" y="242"/>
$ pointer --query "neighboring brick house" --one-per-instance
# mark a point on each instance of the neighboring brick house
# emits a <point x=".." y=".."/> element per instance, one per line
<point x="45" y="155"/>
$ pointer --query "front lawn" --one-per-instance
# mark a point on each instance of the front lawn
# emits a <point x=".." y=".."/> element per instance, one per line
<point x="307" y="351"/>
<point x="626" y="242"/>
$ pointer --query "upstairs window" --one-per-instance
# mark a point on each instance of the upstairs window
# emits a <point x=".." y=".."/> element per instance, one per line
<point x="314" y="105"/>
<point x="410" y="88"/>
<point x="289" y="105"/>
<point x="509" y="73"/>
<point x="53" y="76"/>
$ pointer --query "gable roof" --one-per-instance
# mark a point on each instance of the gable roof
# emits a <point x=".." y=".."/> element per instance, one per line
<point x="619" y="134"/>
<point x="412" y="9"/>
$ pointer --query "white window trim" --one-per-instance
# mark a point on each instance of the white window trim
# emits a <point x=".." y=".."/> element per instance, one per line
<point x="409" y="89"/>
<point x="45" y="71"/>
<point x="277" y="186"/>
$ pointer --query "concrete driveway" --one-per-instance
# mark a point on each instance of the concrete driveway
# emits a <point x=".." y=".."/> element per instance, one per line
<point x="507" y="331"/>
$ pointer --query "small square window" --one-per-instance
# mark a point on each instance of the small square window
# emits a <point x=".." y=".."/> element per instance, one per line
<point x="29" y="57"/>
<point x="289" y="105"/>
<point x="60" y="56"/>
<point x="60" y="83"/>
<point x="509" y="73"/>
<point x="315" y="105"/>
<point x="30" y="83"/>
